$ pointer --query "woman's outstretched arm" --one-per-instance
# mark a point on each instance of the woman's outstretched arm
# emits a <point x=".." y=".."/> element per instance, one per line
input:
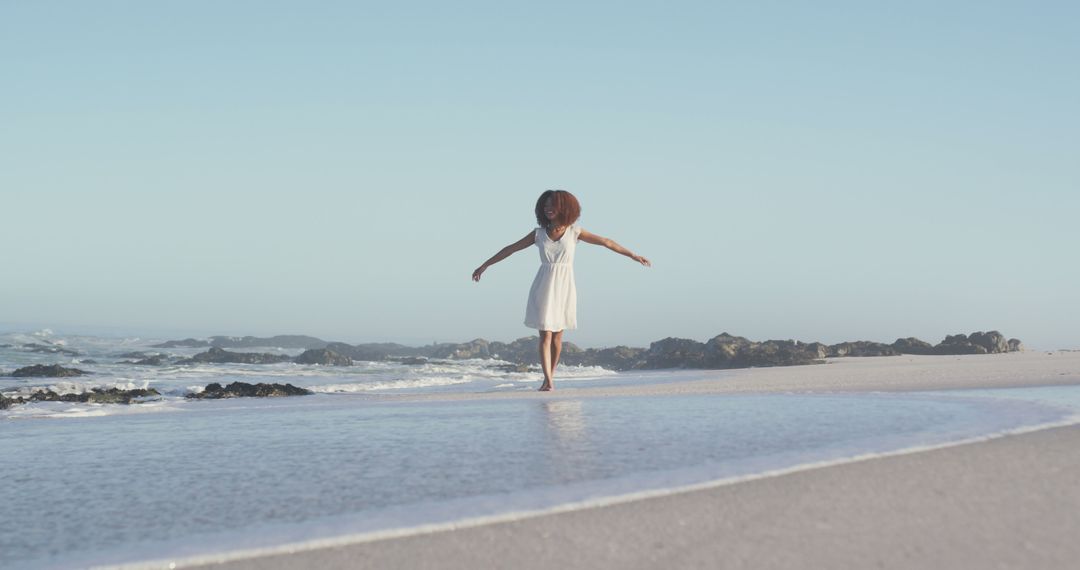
<point x="504" y="253"/>
<point x="610" y="244"/>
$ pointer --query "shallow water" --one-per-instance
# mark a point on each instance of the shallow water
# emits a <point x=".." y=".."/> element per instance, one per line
<point x="248" y="473"/>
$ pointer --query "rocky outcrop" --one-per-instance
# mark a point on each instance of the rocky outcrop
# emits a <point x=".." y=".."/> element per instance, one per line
<point x="371" y="353"/>
<point x="1015" y="345"/>
<point x="912" y="345"/>
<point x="978" y="342"/>
<point x="221" y="356"/>
<point x="993" y="341"/>
<point x="478" y="348"/>
<point x="676" y="353"/>
<point x="215" y="391"/>
<point x="525" y="350"/>
<point x="50" y="371"/>
<point x="323" y="357"/>
<point x="721" y="351"/>
<point x="726" y="351"/>
<point x="95" y="396"/>
<point x="861" y="348"/>
<point x="617" y="358"/>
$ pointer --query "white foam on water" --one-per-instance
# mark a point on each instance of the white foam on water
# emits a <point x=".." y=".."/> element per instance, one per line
<point x="402" y="384"/>
<point x="78" y="387"/>
<point x="62" y="410"/>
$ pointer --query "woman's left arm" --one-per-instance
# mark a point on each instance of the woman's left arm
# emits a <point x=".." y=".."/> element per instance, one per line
<point x="610" y="244"/>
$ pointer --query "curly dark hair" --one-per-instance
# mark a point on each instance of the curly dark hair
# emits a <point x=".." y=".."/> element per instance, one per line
<point x="567" y="208"/>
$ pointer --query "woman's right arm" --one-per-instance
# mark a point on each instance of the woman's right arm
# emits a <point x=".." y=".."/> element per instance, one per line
<point x="505" y="252"/>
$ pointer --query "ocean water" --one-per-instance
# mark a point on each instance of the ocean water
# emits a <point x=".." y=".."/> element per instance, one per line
<point x="106" y="484"/>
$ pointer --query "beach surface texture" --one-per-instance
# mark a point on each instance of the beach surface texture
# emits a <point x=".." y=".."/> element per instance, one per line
<point x="1007" y="502"/>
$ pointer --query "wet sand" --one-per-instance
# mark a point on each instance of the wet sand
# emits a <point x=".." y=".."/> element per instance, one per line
<point x="1009" y="502"/>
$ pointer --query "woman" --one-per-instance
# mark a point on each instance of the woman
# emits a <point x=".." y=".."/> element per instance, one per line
<point x="552" y="306"/>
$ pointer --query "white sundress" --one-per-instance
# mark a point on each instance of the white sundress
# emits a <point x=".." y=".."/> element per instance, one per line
<point x="553" y="298"/>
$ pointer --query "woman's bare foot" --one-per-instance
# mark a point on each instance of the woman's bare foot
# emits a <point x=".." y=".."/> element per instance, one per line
<point x="546" y="387"/>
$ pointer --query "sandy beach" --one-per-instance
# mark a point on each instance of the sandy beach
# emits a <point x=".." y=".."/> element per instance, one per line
<point x="1012" y="501"/>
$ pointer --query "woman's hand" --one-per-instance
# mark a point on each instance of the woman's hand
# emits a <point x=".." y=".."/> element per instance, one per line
<point x="479" y="271"/>
<point x="641" y="260"/>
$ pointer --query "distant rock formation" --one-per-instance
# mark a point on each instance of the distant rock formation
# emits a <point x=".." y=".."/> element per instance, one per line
<point x="221" y="356"/>
<point x="279" y="341"/>
<point x="368" y="351"/>
<point x="323" y="357"/>
<point x="50" y="371"/>
<point x="214" y="391"/>
<point x="978" y="342"/>
<point x="912" y="345"/>
<point x="721" y="351"/>
<point x="95" y="396"/>
<point x="862" y="348"/>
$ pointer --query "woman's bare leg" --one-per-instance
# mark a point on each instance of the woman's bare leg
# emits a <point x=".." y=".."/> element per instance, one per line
<point x="545" y="359"/>
<point x="556" y="351"/>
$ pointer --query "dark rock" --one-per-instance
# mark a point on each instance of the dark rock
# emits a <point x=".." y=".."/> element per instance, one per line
<point x="88" y="361"/>
<point x="5" y="403"/>
<point x="51" y="371"/>
<point x="1015" y="345"/>
<point x="993" y="341"/>
<point x="976" y="343"/>
<point x="95" y="396"/>
<point x="816" y="350"/>
<point x="186" y="343"/>
<point x="214" y="391"/>
<point x="675" y="353"/>
<point x="773" y="353"/>
<point x="369" y="353"/>
<point x="861" y="348"/>
<point x="117" y="396"/>
<point x="221" y="356"/>
<point x="912" y="345"/>
<point x="616" y="358"/>
<point x="525" y="350"/>
<point x="323" y="357"/>
<point x="477" y="348"/>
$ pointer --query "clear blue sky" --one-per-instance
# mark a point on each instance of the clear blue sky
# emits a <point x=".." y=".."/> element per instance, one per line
<point x="812" y="170"/>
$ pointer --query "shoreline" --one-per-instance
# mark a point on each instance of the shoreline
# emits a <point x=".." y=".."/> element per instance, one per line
<point x="259" y="557"/>
<point x="958" y="506"/>
<point x="495" y="540"/>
